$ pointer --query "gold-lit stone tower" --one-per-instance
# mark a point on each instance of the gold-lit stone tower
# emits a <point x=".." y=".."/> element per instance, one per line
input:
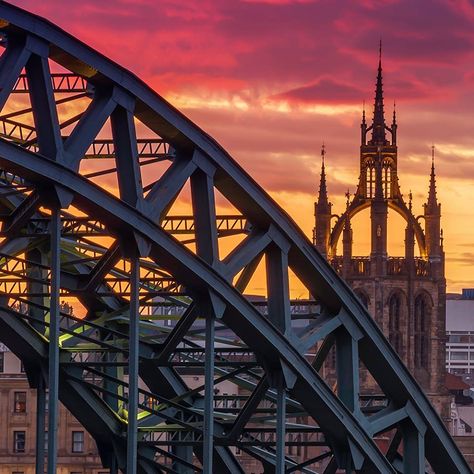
<point x="405" y="294"/>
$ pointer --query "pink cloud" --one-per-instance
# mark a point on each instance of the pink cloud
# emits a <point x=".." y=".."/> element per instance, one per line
<point x="279" y="2"/>
<point x="325" y="90"/>
<point x="301" y="52"/>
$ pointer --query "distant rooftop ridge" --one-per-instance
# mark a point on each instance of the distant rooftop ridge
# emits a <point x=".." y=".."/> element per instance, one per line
<point x="467" y="294"/>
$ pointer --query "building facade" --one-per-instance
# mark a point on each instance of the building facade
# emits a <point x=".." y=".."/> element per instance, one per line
<point x="405" y="294"/>
<point x="77" y="451"/>
<point x="460" y="334"/>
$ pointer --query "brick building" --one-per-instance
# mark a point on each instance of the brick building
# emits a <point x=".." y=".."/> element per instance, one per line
<point x="77" y="451"/>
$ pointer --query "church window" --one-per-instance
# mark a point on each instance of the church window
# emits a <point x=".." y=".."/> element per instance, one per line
<point x="387" y="181"/>
<point x="394" y="323"/>
<point x="370" y="181"/>
<point x="421" y="331"/>
<point x="362" y="296"/>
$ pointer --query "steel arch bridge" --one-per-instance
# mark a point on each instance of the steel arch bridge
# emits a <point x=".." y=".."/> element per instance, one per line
<point x="94" y="168"/>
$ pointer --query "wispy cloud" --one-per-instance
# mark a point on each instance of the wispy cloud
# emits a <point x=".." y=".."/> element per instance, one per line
<point x="272" y="79"/>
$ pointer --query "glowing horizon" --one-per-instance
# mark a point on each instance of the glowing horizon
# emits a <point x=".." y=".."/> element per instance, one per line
<point x="272" y="79"/>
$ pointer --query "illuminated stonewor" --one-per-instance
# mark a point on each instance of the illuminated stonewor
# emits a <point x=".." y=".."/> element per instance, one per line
<point x="166" y="361"/>
<point x="405" y="295"/>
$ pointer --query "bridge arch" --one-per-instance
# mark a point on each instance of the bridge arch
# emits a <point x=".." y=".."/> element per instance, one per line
<point x="56" y="208"/>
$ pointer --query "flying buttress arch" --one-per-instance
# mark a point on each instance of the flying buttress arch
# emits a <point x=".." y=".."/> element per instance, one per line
<point x="397" y="205"/>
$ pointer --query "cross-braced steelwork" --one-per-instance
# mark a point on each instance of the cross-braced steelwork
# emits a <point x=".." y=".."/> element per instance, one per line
<point x="129" y="238"/>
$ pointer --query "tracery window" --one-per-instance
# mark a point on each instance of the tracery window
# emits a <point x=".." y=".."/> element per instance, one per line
<point x="387" y="181"/>
<point x="422" y="314"/>
<point x="394" y="322"/>
<point x="370" y="180"/>
<point x="362" y="297"/>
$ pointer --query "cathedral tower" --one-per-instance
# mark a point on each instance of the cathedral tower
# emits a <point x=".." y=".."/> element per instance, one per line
<point x="405" y="294"/>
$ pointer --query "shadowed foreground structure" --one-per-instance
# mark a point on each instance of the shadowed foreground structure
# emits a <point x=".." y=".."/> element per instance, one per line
<point x="158" y="296"/>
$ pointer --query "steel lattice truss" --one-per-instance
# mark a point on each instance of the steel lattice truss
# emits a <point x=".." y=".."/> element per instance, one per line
<point x="158" y="296"/>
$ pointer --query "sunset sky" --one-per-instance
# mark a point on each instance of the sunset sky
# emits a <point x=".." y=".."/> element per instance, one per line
<point x="273" y="79"/>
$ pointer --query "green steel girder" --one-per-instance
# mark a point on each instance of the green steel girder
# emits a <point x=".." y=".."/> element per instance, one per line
<point x="51" y="169"/>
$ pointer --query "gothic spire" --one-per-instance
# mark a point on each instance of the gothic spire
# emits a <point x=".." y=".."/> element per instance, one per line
<point x="432" y="203"/>
<point x="378" y="130"/>
<point x="323" y="202"/>
<point x="363" y="127"/>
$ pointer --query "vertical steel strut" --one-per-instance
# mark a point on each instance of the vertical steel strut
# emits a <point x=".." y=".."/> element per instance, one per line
<point x="133" y="366"/>
<point x="53" y="362"/>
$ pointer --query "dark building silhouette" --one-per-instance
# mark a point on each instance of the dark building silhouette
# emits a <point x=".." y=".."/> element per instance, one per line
<point x="405" y="294"/>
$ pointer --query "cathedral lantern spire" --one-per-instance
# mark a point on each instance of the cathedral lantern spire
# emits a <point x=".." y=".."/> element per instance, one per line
<point x="378" y="125"/>
<point x="406" y="295"/>
<point x="322" y="212"/>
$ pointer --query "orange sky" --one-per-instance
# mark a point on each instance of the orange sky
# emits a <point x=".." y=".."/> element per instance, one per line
<point x="272" y="79"/>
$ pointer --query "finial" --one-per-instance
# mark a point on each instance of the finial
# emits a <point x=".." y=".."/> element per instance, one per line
<point x="394" y="112"/>
<point x="410" y="200"/>
<point x="432" y="204"/>
<point x="363" y="111"/>
<point x="348" y="196"/>
<point x="323" y="203"/>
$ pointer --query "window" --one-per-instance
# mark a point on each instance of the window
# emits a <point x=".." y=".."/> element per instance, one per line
<point x="459" y="355"/>
<point x="22" y="367"/>
<point x="422" y="316"/>
<point x="394" y="334"/>
<point x="290" y="444"/>
<point x="19" y="439"/>
<point x="19" y="402"/>
<point x="370" y="180"/>
<point x="298" y="444"/>
<point x="360" y="294"/>
<point x="387" y="180"/>
<point x="45" y="441"/>
<point x="78" y="441"/>
<point x="2" y="362"/>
